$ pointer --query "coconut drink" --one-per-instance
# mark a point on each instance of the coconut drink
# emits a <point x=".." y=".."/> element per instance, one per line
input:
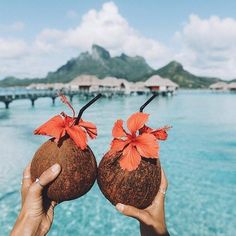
<point x="67" y="147"/>
<point x="130" y="172"/>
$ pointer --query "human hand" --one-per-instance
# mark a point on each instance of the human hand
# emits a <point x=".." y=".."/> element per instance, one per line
<point x="152" y="219"/>
<point x="37" y="211"/>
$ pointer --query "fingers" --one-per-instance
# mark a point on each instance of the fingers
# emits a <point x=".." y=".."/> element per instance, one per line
<point x="164" y="182"/>
<point x="26" y="182"/>
<point x="133" y="212"/>
<point x="47" y="177"/>
<point x="53" y="204"/>
<point x="160" y="197"/>
<point x="51" y="208"/>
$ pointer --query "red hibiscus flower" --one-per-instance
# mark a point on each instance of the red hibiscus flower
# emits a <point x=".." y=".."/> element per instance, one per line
<point x="141" y="141"/>
<point x="60" y="125"/>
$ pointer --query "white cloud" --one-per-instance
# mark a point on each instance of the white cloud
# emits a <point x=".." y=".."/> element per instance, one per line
<point x="109" y="29"/>
<point x="12" y="48"/>
<point x="14" y="27"/>
<point x="204" y="46"/>
<point x="105" y="27"/>
<point x="209" y="46"/>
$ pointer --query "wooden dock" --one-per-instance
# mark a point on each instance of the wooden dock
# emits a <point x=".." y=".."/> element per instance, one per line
<point x="9" y="96"/>
<point x="34" y="95"/>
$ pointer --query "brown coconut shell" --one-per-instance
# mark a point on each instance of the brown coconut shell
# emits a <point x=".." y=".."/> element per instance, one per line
<point x="79" y="169"/>
<point x="137" y="188"/>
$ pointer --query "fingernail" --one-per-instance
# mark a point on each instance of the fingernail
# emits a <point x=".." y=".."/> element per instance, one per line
<point x="55" y="168"/>
<point x="120" y="207"/>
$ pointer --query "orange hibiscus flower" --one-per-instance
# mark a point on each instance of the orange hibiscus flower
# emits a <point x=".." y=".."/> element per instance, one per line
<point x="60" y="125"/>
<point x="135" y="145"/>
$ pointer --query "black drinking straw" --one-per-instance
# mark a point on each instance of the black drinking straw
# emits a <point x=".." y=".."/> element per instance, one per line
<point x="85" y="107"/>
<point x="147" y="102"/>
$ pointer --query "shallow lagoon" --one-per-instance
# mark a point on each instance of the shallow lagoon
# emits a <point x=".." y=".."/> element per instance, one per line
<point x="199" y="159"/>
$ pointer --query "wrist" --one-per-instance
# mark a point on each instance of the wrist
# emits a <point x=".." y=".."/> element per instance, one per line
<point x="25" y="226"/>
<point x="156" y="229"/>
<point x="161" y="230"/>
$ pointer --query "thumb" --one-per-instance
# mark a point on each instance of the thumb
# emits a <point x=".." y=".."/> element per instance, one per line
<point x="132" y="212"/>
<point x="46" y="177"/>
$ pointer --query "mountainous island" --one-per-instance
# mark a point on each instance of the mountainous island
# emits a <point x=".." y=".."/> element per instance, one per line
<point x="100" y="63"/>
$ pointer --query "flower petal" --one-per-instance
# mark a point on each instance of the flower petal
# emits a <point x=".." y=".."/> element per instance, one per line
<point x="78" y="135"/>
<point x="161" y="133"/>
<point x="55" y="127"/>
<point x="147" y="145"/>
<point x="145" y="129"/>
<point x="130" y="159"/>
<point x="90" y="128"/>
<point x="69" y="121"/>
<point x="118" y="130"/>
<point x="118" y="145"/>
<point x="136" y="121"/>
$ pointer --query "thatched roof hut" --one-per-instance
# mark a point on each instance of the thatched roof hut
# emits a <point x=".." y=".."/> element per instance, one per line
<point x="31" y="86"/>
<point x="138" y="87"/>
<point x="57" y="86"/>
<point x="232" y="86"/>
<point x="219" y="86"/>
<point x="39" y="86"/>
<point x="157" y="83"/>
<point x="125" y="83"/>
<point x="115" y="84"/>
<point x="84" y="82"/>
<point x="46" y="86"/>
<point x="170" y="83"/>
<point x="110" y="82"/>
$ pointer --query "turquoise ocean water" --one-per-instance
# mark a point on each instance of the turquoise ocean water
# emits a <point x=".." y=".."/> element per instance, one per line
<point x="199" y="159"/>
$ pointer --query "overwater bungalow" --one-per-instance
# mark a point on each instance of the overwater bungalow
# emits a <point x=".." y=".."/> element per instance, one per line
<point x="138" y="88"/>
<point x="158" y="84"/>
<point x="117" y="85"/>
<point x="111" y="83"/>
<point x="47" y="86"/>
<point x="58" y="86"/>
<point x="38" y="86"/>
<point x="85" y="83"/>
<point x="219" y="86"/>
<point x="232" y="86"/>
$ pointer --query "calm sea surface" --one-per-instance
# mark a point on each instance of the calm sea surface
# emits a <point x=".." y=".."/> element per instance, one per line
<point x="199" y="159"/>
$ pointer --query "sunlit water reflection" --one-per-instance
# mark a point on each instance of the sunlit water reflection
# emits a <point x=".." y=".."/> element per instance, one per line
<point x="199" y="158"/>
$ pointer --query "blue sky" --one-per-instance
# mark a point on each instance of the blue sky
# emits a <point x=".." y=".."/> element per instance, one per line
<point x="39" y="32"/>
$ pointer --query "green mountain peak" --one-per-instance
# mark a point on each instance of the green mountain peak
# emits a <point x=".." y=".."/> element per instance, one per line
<point x="99" y="52"/>
<point x="100" y="63"/>
<point x="176" y="72"/>
<point x="175" y="65"/>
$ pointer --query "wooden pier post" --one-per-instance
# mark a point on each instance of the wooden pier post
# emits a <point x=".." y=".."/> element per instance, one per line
<point x="32" y="101"/>
<point x="71" y="98"/>
<point x="7" y="100"/>
<point x="53" y="100"/>
<point x="7" y="104"/>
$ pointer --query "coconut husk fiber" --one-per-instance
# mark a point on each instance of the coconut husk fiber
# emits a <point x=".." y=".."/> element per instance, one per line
<point x="79" y="169"/>
<point x="137" y="188"/>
